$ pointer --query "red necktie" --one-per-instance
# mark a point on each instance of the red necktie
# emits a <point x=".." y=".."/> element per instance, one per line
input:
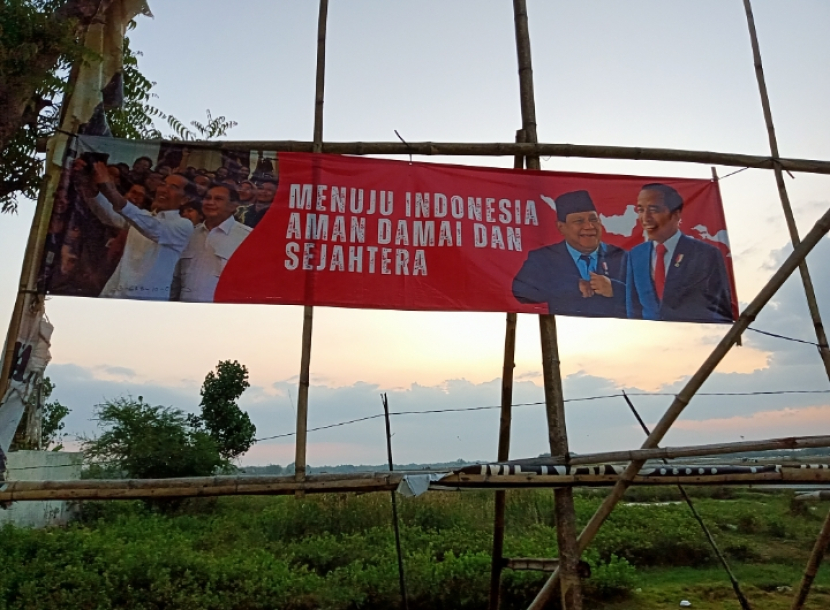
<point x="660" y="270"/>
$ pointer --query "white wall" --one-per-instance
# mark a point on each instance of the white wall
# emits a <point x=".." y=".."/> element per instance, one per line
<point x="40" y="466"/>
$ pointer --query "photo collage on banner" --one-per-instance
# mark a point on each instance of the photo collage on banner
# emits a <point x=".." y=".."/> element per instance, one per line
<point x="140" y="220"/>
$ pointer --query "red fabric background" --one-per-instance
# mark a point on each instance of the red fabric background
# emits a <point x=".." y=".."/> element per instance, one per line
<point x="464" y="278"/>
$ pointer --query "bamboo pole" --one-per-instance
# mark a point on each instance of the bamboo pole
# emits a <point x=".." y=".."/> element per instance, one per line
<point x="688" y="475"/>
<point x="130" y="489"/>
<point x="511" y="149"/>
<point x="809" y="291"/>
<point x="27" y="288"/>
<point x="27" y="295"/>
<point x="659" y="453"/>
<point x="812" y="304"/>
<point x="496" y="563"/>
<point x="813" y="564"/>
<point x="692" y="386"/>
<point x="395" y="521"/>
<point x="571" y="590"/>
<point x="308" y="310"/>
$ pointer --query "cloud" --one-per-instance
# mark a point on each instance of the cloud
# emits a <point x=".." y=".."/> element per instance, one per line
<point x="787" y="313"/>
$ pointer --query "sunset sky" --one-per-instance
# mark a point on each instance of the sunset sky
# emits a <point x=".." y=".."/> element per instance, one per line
<point x="640" y="73"/>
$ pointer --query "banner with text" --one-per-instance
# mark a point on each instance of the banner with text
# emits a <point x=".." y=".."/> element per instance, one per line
<point x="147" y="221"/>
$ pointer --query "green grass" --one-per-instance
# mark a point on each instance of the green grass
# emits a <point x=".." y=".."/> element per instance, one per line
<point x="337" y="552"/>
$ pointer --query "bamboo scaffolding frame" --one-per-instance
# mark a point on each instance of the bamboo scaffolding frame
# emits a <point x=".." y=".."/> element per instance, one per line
<point x="690" y="389"/>
<point x="571" y="589"/>
<point x="571" y="548"/>
<point x="308" y="311"/>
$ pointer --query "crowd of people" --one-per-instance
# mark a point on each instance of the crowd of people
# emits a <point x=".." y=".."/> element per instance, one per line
<point x="125" y="231"/>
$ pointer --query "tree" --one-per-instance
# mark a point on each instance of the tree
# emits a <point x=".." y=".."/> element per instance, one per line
<point x="144" y="441"/>
<point x="51" y="415"/>
<point x="38" y="43"/>
<point x="51" y="425"/>
<point x="40" y="40"/>
<point x="228" y="425"/>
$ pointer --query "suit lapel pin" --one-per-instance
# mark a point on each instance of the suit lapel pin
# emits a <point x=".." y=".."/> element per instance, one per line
<point x="678" y="260"/>
<point x="604" y="268"/>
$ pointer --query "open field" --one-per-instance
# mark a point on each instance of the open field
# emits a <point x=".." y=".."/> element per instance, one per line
<point x="337" y="552"/>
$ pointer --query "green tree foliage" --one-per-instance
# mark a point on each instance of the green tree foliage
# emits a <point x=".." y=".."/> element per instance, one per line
<point x="227" y="424"/>
<point x="39" y="43"/>
<point x="143" y="441"/>
<point x="51" y="423"/>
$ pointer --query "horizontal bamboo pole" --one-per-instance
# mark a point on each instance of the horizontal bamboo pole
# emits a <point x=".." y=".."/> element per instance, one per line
<point x="131" y="489"/>
<point x="510" y="149"/>
<point x="531" y="564"/>
<point x="796" y="442"/>
<point x="786" y="476"/>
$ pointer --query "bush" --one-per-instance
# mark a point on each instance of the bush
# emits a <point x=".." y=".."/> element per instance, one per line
<point x="613" y="578"/>
<point x="150" y="442"/>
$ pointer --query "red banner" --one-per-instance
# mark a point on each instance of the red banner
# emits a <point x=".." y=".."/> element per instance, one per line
<point x="143" y="221"/>
<point x="368" y="233"/>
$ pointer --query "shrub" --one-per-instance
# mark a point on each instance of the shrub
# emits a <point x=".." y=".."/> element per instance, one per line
<point x="613" y="578"/>
<point x="143" y="441"/>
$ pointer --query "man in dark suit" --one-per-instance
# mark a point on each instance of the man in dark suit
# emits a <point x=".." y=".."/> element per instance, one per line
<point x="673" y="276"/>
<point x="580" y="276"/>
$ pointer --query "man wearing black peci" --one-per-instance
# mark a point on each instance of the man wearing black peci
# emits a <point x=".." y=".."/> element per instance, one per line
<point x="581" y="275"/>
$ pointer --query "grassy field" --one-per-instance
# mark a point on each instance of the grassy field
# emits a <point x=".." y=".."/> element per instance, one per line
<point x="337" y="552"/>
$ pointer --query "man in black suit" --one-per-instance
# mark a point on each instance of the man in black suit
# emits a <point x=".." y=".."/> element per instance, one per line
<point x="580" y="276"/>
<point x="673" y="276"/>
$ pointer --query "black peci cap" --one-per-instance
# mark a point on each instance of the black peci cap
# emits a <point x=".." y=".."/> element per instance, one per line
<point x="573" y="202"/>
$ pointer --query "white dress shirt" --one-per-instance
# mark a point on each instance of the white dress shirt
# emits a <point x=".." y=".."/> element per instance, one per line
<point x="154" y="243"/>
<point x="671" y="245"/>
<point x="204" y="259"/>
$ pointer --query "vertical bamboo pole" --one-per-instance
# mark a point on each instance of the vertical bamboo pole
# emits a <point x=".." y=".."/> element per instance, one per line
<point x="685" y="395"/>
<point x="813" y="564"/>
<point x="812" y="304"/>
<point x="27" y="296"/>
<point x="504" y="435"/>
<point x="395" y="521"/>
<point x="308" y="310"/>
<point x="554" y="401"/>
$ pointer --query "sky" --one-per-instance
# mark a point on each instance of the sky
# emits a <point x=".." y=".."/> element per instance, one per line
<point x="640" y="73"/>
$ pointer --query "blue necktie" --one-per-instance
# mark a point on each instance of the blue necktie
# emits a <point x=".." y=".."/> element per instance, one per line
<point x="586" y="258"/>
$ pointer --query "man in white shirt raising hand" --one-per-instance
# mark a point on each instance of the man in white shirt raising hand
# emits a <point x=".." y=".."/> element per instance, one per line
<point x="213" y="242"/>
<point x="155" y="239"/>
